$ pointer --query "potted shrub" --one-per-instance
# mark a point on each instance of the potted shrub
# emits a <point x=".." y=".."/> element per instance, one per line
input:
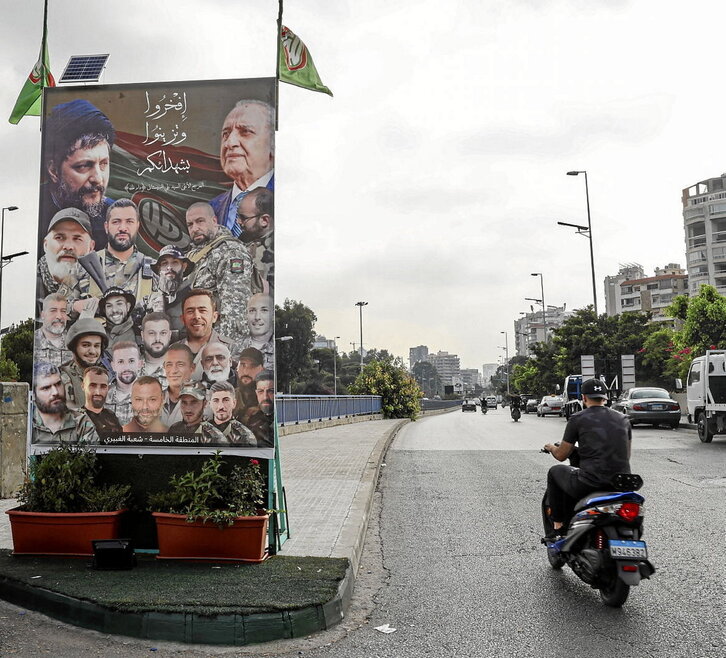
<point x="215" y="513"/>
<point x="63" y="507"/>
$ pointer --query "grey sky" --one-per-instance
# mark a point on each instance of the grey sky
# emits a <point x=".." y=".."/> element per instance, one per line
<point x="431" y="184"/>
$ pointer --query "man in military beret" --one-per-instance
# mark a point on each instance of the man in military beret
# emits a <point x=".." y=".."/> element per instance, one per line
<point x="116" y="305"/>
<point x="222" y="266"/>
<point x="193" y="401"/>
<point x="223" y="429"/>
<point x="86" y="340"/>
<point x="68" y="239"/>
<point x="172" y="268"/>
<point x="78" y="141"/>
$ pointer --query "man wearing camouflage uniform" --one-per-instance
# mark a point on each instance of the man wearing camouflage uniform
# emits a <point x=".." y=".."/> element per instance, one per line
<point x="49" y="342"/>
<point x="86" y="340"/>
<point x="222" y="266"/>
<point x="223" y="429"/>
<point x="256" y="218"/>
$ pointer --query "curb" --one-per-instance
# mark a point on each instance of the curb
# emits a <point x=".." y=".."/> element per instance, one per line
<point x="230" y="629"/>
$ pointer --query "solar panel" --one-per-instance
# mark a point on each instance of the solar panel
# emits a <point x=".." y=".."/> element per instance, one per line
<point x="83" y="68"/>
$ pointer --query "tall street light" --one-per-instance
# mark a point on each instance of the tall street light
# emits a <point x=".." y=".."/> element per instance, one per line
<point x="589" y="235"/>
<point x="335" y="365"/>
<point x="360" y="306"/>
<point x="2" y="253"/>
<point x="506" y="355"/>
<point x="544" y="306"/>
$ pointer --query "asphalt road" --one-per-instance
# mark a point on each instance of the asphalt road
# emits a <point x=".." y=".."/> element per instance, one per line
<point x="453" y="560"/>
<point x="467" y="576"/>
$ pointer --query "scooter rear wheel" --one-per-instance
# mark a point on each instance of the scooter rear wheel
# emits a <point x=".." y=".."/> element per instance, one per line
<point x="615" y="594"/>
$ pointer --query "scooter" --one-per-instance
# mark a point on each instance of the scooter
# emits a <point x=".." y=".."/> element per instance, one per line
<point x="515" y="413"/>
<point x="483" y="407"/>
<point x="603" y="542"/>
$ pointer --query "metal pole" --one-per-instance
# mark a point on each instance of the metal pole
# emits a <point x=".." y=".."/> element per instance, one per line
<point x="506" y="355"/>
<point x="360" y="306"/>
<point x="2" y="253"/>
<point x="335" y="366"/>
<point x="544" y="308"/>
<point x="592" y="254"/>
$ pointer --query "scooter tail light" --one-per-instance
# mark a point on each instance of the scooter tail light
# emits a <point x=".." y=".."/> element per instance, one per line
<point x="599" y="540"/>
<point x="629" y="511"/>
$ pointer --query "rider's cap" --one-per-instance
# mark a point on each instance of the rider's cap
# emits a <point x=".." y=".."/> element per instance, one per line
<point x="594" y="388"/>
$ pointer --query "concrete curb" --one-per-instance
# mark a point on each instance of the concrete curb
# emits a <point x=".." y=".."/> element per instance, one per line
<point x="231" y="629"/>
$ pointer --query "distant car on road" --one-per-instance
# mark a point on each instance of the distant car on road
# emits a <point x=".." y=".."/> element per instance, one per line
<point x="549" y="404"/>
<point x="468" y="405"/>
<point x="491" y="401"/>
<point x="530" y="406"/>
<point x="649" y="405"/>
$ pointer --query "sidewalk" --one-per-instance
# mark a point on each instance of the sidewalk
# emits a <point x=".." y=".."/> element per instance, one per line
<point x="329" y="476"/>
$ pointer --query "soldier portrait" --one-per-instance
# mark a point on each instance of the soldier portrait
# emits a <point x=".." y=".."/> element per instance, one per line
<point x="49" y="341"/>
<point x="260" y="318"/>
<point x="256" y="218"/>
<point x="126" y="364"/>
<point x="224" y="428"/>
<point x="192" y="403"/>
<point x="115" y="306"/>
<point x="86" y="340"/>
<point x="156" y="336"/>
<point x="171" y="268"/>
<point x="95" y="389"/>
<point x="146" y="402"/>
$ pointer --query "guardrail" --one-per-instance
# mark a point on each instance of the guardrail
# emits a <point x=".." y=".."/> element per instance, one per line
<point x="431" y="405"/>
<point x="306" y="408"/>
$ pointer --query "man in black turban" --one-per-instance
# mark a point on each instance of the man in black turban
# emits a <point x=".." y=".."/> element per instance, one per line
<point x="78" y="140"/>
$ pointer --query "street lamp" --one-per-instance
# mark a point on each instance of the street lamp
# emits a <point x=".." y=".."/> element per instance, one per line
<point x="335" y="365"/>
<point x="360" y="306"/>
<point x="506" y="355"/>
<point x="544" y="307"/>
<point x="581" y="231"/>
<point x="2" y="255"/>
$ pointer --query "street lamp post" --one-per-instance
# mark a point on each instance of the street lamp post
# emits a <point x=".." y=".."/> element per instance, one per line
<point x="2" y="254"/>
<point x="506" y="355"/>
<point x="335" y="365"/>
<point x="544" y="306"/>
<point x="360" y="306"/>
<point x="589" y="235"/>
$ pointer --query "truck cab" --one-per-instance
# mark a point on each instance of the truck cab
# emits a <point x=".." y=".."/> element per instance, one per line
<point x="706" y="394"/>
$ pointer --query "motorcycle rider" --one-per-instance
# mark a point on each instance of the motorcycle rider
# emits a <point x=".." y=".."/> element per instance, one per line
<point x="515" y="402"/>
<point x="603" y="437"/>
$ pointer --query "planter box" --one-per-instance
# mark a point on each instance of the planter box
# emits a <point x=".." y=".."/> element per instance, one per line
<point x="56" y="533"/>
<point x="244" y="541"/>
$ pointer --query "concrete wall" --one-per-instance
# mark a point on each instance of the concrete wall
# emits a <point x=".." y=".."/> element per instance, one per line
<point x="13" y="435"/>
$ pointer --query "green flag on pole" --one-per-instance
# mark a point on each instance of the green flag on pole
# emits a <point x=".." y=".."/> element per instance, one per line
<point x="29" y="99"/>
<point x="296" y="64"/>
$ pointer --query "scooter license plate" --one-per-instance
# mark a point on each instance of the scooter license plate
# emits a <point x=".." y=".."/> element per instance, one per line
<point x="624" y="549"/>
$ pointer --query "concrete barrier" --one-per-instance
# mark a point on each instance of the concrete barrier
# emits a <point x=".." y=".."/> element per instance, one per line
<point x="13" y="436"/>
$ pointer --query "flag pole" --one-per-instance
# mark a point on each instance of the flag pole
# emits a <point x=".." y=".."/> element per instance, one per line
<point x="44" y="48"/>
<point x="277" y="65"/>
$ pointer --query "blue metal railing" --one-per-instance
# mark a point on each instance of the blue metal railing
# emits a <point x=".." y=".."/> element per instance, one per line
<point x="306" y="408"/>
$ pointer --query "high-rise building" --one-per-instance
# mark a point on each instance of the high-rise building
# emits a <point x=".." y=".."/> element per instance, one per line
<point x="530" y="329"/>
<point x="416" y="354"/>
<point x="471" y="378"/>
<point x="447" y="365"/>
<point x="631" y="290"/>
<point x="704" y="221"/>
<point x="488" y="370"/>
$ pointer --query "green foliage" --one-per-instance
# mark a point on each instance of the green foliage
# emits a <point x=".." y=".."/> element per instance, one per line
<point x="211" y="494"/>
<point x="9" y="371"/>
<point x="17" y="349"/>
<point x="663" y="360"/>
<point x="427" y="377"/>
<point x="65" y="480"/>
<point x="293" y="356"/>
<point x="400" y="394"/>
<point x="704" y="320"/>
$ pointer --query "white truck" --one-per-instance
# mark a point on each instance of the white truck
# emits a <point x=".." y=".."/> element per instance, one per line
<point x="706" y="394"/>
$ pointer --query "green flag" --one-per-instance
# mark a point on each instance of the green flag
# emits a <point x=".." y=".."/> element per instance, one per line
<point x="29" y="99"/>
<point x="296" y="65"/>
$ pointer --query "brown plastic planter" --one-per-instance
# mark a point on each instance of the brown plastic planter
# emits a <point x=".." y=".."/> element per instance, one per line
<point x="244" y="541"/>
<point x="57" y="533"/>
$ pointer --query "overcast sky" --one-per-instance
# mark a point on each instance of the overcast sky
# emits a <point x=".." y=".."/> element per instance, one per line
<point x="430" y="185"/>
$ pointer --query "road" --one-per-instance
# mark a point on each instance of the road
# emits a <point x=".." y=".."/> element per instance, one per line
<point x="467" y="575"/>
<point x="453" y="560"/>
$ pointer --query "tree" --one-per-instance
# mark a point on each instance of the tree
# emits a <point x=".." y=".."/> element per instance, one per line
<point x="8" y="370"/>
<point x="704" y="320"/>
<point x="400" y="394"/>
<point x="293" y="356"/>
<point x="17" y="348"/>
<point x="427" y="378"/>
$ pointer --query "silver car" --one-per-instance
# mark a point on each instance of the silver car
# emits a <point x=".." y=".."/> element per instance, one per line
<point x="649" y="405"/>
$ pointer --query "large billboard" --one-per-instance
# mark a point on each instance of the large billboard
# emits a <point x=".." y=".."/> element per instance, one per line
<point x="155" y="286"/>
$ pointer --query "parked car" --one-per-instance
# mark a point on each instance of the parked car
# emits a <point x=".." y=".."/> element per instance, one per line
<point x="649" y="405"/>
<point x="530" y="406"/>
<point x="491" y="401"/>
<point x="468" y="405"/>
<point x="550" y="404"/>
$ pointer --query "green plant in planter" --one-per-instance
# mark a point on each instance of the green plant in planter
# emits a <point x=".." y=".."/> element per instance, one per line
<point x="211" y="495"/>
<point x="64" y="480"/>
